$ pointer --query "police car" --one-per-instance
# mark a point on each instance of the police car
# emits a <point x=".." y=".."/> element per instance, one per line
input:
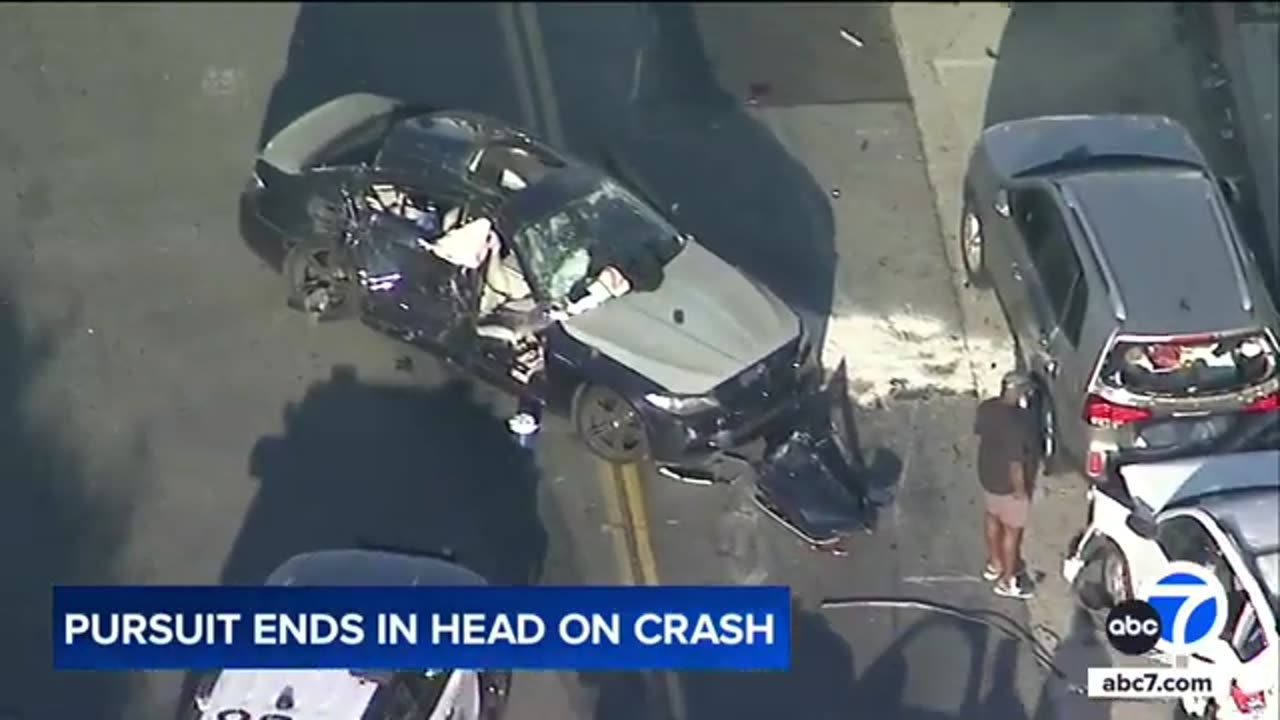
<point x="422" y="694"/>
<point x="1220" y="512"/>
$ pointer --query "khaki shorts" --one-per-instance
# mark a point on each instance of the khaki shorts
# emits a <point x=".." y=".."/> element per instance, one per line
<point x="1011" y="511"/>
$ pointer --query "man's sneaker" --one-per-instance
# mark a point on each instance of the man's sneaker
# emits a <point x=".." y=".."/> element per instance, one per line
<point x="1017" y="588"/>
<point x="991" y="573"/>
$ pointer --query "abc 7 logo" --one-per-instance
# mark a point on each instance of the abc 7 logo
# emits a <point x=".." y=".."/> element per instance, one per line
<point x="1182" y="607"/>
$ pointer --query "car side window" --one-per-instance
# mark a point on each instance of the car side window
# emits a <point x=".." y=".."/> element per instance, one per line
<point x="1054" y="257"/>
<point x="1247" y="636"/>
<point x="1185" y="539"/>
<point x="1072" y="320"/>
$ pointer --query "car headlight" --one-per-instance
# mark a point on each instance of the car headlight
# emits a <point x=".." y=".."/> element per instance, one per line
<point x="682" y="404"/>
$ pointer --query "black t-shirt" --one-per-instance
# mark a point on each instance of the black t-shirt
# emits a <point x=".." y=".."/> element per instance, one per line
<point x="1005" y="436"/>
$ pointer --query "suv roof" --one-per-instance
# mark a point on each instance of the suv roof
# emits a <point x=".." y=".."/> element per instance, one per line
<point x="1138" y="219"/>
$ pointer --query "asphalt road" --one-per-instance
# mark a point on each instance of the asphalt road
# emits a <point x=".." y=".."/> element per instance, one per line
<point x="163" y="417"/>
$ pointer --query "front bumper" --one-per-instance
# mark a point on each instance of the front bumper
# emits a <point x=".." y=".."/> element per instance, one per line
<point x="746" y="412"/>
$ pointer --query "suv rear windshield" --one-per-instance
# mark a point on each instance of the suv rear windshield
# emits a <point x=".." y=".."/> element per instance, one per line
<point x="1191" y="367"/>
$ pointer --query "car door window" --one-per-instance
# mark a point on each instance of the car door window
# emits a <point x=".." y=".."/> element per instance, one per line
<point x="1247" y="636"/>
<point x="1185" y="539"/>
<point x="1072" y="320"/>
<point x="1054" y="257"/>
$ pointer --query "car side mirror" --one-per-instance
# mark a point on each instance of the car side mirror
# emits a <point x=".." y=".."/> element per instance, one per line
<point x="1142" y="524"/>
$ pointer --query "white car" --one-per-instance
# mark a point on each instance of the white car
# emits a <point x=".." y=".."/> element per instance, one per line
<point x="313" y="694"/>
<point x="1219" y="511"/>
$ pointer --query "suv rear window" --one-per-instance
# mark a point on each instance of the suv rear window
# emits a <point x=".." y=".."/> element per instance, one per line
<point x="1191" y="367"/>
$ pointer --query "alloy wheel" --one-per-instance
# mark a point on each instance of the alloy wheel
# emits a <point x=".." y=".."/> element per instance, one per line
<point x="971" y="242"/>
<point x="609" y="425"/>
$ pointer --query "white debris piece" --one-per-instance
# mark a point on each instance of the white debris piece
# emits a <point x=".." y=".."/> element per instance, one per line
<point x="850" y="38"/>
<point x="906" y="352"/>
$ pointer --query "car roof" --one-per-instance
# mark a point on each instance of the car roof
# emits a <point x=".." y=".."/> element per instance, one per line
<point x="358" y="567"/>
<point x="551" y="192"/>
<point x="1171" y="217"/>
<point x="1250" y="516"/>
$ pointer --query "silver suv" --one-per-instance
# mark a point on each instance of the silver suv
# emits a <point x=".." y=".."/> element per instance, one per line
<point x="1132" y="300"/>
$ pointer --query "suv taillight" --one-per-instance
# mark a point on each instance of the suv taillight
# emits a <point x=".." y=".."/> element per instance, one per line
<point x="1264" y="403"/>
<point x="1104" y="413"/>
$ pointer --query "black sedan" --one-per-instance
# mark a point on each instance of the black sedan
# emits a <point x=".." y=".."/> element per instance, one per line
<point x="536" y="271"/>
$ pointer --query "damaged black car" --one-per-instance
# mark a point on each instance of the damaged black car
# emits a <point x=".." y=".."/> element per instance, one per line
<point x="533" y="270"/>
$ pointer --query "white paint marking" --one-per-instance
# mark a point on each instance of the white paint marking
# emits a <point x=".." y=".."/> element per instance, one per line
<point x="962" y="63"/>
<point x="542" y="73"/>
<point x="939" y="579"/>
<point x="511" y="39"/>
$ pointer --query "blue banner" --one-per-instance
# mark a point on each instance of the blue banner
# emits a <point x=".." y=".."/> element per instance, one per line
<point x="535" y="628"/>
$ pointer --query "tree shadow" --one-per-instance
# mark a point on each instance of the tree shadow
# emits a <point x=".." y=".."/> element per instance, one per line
<point x="1160" y="58"/>
<point x="393" y="467"/>
<point x="1081" y="649"/>
<point x="60" y="523"/>
<point x="819" y="681"/>
<point x="902" y="682"/>
<point x="624" y="85"/>
<point x="724" y="173"/>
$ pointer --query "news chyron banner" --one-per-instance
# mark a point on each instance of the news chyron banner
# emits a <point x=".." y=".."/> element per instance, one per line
<point x="518" y="628"/>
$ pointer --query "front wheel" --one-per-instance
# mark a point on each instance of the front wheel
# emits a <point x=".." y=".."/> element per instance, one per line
<point x="973" y="252"/>
<point x="1116" y="579"/>
<point x="320" y="281"/>
<point x="609" y="425"/>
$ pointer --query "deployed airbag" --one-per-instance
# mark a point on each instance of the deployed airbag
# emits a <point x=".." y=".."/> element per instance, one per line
<point x="468" y="245"/>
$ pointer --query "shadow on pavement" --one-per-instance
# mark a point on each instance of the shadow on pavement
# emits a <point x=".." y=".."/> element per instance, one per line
<point x="902" y="683"/>
<point x="627" y="85"/>
<point x="395" y="468"/>
<point x="905" y="681"/>
<point x="1069" y="58"/>
<point x="392" y="466"/>
<point x="723" y="174"/>
<point x="1081" y="649"/>
<point x="57" y="526"/>
<point x="443" y="54"/>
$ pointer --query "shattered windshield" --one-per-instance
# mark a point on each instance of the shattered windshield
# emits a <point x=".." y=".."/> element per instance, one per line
<point x="1191" y="367"/>
<point x="606" y="227"/>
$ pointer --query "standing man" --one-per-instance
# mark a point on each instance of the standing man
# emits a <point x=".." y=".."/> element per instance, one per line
<point x="1007" y="449"/>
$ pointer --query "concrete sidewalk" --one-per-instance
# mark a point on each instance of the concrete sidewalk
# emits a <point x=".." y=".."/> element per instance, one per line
<point x="969" y="65"/>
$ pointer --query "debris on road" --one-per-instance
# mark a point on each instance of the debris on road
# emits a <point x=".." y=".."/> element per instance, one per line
<point x="850" y="38"/>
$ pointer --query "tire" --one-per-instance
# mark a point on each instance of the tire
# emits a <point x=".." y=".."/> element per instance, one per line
<point x="609" y="425"/>
<point x="972" y="247"/>
<point x="317" y="272"/>
<point x="1117" y="582"/>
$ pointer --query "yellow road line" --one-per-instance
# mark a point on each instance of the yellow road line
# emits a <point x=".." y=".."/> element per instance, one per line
<point x="633" y="499"/>
<point x="617" y="524"/>
<point x="632" y="493"/>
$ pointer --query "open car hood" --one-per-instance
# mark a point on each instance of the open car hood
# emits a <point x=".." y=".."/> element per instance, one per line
<point x="1155" y="486"/>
